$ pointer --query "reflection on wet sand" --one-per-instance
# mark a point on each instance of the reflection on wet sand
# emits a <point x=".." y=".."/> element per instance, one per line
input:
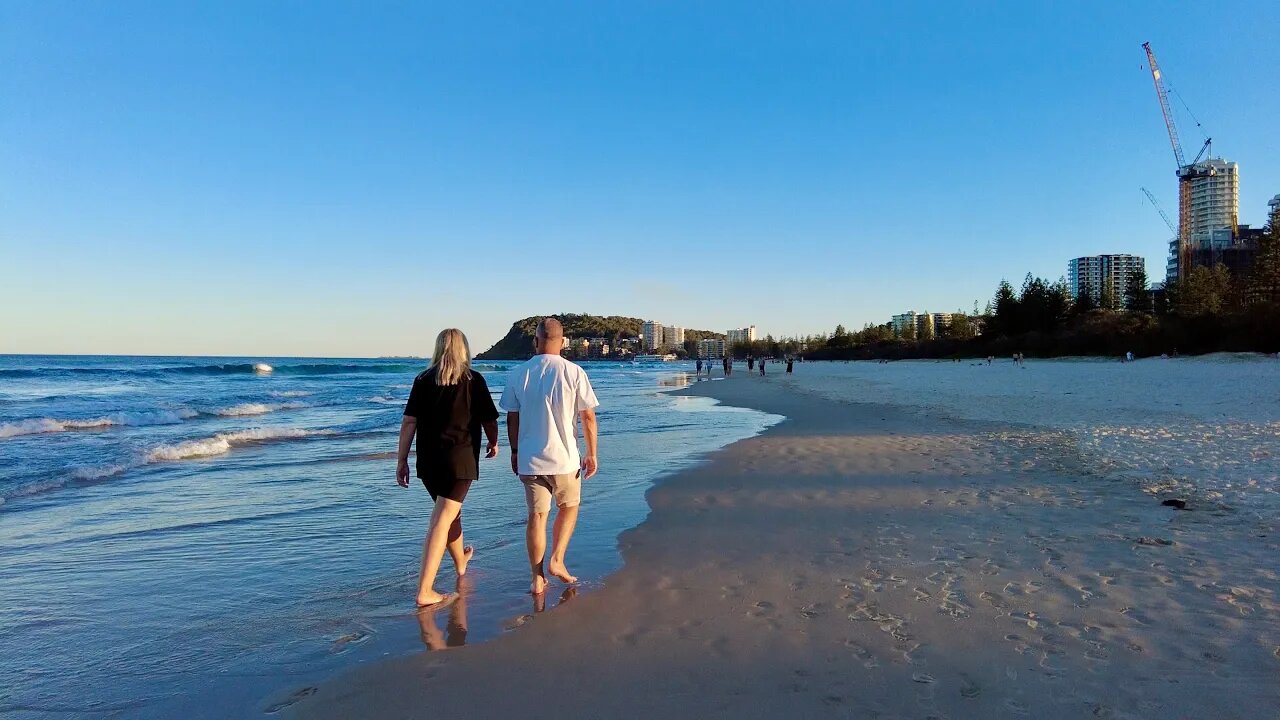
<point x="455" y="634"/>
<point x="540" y="600"/>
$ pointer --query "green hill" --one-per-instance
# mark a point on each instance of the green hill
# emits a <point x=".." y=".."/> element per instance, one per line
<point x="517" y="344"/>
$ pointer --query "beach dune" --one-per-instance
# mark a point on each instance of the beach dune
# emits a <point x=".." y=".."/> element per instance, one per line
<point x="869" y="560"/>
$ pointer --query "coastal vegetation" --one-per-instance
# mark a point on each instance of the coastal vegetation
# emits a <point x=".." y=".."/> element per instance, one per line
<point x="1210" y="310"/>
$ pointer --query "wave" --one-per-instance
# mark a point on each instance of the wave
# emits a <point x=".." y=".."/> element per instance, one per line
<point x="190" y="449"/>
<point x="38" y="426"/>
<point x="223" y="442"/>
<point x="257" y="409"/>
<point x="290" y="393"/>
<point x="385" y="400"/>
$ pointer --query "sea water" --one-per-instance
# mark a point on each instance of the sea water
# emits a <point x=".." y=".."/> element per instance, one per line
<point x="188" y="536"/>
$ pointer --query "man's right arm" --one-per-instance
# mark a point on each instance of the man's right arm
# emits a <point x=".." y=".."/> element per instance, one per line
<point x="513" y="438"/>
<point x="589" y="462"/>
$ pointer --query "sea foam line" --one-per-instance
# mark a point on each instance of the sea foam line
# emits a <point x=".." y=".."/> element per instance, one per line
<point x="38" y="426"/>
<point x="257" y="408"/>
<point x="223" y="442"/>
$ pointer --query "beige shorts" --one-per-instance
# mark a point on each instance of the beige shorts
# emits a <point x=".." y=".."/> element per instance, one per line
<point x="538" y="490"/>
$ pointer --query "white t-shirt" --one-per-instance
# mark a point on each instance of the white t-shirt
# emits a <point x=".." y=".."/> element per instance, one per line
<point x="548" y="392"/>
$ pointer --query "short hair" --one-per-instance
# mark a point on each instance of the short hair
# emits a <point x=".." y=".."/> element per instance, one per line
<point x="550" y="329"/>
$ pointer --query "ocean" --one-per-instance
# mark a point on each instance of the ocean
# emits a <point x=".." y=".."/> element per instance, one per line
<point x="185" y="536"/>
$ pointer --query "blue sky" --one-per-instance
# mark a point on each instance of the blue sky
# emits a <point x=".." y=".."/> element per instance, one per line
<point x="312" y="178"/>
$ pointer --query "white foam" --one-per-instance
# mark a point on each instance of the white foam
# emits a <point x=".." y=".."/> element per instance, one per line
<point x="223" y="442"/>
<point x="257" y="409"/>
<point x="51" y="425"/>
<point x="385" y="400"/>
<point x="290" y="393"/>
<point x="262" y="368"/>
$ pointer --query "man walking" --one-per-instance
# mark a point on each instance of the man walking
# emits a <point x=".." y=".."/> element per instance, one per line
<point x="544" y="398"/>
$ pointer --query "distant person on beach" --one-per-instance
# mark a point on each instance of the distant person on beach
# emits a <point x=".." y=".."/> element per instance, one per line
<point x="699" y="366"/>
<point x="762" y="362"/>
<point x="448" y="406"/>
<point x="545" y="397"/>
<point x="790" y="365"/>
<point x="751" y="363"/>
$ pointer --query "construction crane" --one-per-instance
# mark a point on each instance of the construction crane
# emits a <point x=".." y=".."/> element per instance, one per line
<point x="1164" y="104"/>
<point x="1172" y="228"/>
<point x="1163" y="96"/>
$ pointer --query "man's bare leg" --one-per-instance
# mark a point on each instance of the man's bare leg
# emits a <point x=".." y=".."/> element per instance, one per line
<point x="562" y="531"/>
<point x="442" y="518"/>
<point x="460" y="553"/>
<point x="535" y="538"/>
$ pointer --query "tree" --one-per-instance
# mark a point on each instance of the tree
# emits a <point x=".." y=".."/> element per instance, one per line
<point x="1004" y="313"/>
<point x="927" y="330"/>
<point x="1136" y="296"/>
<point x="840" y="331"/>
<point x="1263" y="282"/>
<point x="962" y="328"/>
<point x="1205" y="291"/>
<point x="1084" y="303"/>
<point x="909" y="330"/>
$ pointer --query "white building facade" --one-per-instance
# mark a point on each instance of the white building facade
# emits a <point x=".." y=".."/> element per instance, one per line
<point x="711" y="348"/>
<point x="1103" y="276"/>
<point x="651" y="335"/>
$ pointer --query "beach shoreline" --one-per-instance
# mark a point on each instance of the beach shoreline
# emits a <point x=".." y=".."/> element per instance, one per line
<point x="873" y="560"/>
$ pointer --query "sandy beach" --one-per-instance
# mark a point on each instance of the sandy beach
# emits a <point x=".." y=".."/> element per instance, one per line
<point x="875" y="556"/>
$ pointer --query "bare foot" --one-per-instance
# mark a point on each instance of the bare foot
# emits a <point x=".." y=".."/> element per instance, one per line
<point x="431" y="597"/>
<point x="538" y="586"/>
<point x="560" y="572"/>
<point x="467" y="552"/>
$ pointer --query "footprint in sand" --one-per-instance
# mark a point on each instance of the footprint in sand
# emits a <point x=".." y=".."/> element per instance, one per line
<point x="994" y="600"/>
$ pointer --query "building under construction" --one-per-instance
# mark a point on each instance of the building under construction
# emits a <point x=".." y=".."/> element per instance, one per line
<point x="1208" y="231"/>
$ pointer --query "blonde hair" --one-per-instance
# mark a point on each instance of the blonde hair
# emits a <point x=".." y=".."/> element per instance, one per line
<point x="452" y="357"/>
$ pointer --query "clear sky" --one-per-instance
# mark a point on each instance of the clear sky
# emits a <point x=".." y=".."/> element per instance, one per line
<point x="266" y="178"/>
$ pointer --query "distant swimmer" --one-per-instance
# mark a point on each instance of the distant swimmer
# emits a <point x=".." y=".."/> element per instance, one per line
<point x="448" y="406"/>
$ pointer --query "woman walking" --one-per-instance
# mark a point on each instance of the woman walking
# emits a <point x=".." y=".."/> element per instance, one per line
<point x="448" y="406"/>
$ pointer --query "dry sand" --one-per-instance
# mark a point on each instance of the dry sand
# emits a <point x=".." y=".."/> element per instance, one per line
<point x="866" y="561"/>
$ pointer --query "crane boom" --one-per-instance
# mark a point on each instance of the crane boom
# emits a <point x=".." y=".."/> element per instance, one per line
<point x="1172" y="228"/>
<point x="1164" y="104"/>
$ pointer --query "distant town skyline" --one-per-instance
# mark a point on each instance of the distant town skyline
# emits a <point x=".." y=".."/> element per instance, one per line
<point x="249" y="179"/>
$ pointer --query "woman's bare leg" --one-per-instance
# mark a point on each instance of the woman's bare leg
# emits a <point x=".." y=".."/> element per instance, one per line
<point x="446" y="511"/>
<point x="460" y="553"/>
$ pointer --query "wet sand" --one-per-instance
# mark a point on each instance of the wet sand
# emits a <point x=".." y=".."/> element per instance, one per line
<point x="864" y="560"/>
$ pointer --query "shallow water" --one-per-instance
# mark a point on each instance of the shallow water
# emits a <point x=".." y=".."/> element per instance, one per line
<point x="189" y="535"/>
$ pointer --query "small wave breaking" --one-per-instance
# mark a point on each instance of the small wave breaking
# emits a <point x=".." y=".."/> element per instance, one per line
<point x="257" y="409"/>
<point x="37" y="426"/>
<point x="223" y="442"/>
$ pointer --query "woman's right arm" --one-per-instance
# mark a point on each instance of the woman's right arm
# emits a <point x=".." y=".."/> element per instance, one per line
<point x="408" y="425"/>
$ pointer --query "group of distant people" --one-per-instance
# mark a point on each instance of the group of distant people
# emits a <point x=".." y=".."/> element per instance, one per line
<point x="726" y="365"/>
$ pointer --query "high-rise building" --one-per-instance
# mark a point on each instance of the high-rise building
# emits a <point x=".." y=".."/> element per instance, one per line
<point x="711" y="348"/>
<point x="672" y="336"/>
<point x="740" y="335"/>
<point x="927" y="326"/>
<point x="651" y="335"/>
<point x="908" y="319"/>
<point x="1208" y="210"/>
<point x="1103" y="276"/>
